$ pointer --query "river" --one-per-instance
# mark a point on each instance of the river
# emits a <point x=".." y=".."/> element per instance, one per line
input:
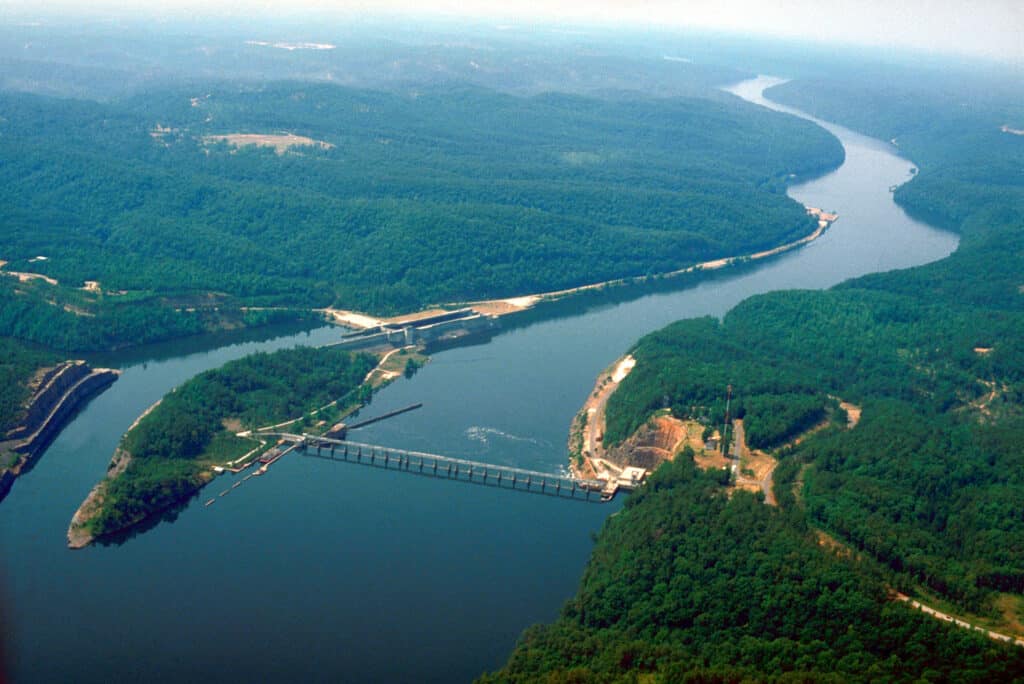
<point x="324" y="571"/>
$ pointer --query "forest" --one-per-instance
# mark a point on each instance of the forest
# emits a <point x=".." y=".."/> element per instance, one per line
<point x="174" y="447"/>
<point x="434" y="195"/>
<point x="922" y="496"/>
<point x="927" y="481"/>
<point x="687" y="584"/>
<point x="18" y="362"/>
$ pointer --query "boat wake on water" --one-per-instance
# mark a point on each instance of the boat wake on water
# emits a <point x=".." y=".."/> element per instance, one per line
<point x="484" y="435"/>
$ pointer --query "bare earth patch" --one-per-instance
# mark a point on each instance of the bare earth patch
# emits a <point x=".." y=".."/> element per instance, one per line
<point x="280" y="143"/>
<point x="500" y="307"/>
<point x="593" y="433"/>
<point x="291" y="46"/>
<point x="756" y="468"/>
<point x="78" y="311"/>
<point x="352" y="319"/>
<point x="982" y="404"/>
<point x="623" y="369"/>
<point x="709" y="460"/>
<point x="25" y="277"/>
<point x="78" y="532"/>
<point x="852" y="413"/>
<point x="832" y="544"/>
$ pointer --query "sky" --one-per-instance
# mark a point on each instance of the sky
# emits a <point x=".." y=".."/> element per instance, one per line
<point x="991" y="29"/>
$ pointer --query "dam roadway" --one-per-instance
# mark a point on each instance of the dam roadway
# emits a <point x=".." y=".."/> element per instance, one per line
<point x="451" y="468"/>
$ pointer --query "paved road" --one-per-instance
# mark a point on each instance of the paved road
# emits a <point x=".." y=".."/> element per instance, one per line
<point x="945" y="617"/>
<point x="739" y="451"/>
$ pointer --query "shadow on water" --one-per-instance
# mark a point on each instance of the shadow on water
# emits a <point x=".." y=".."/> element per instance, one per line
<point x="54" y="434"/>
<point x="160" y="351"/>
<point x="168" y="515"/>
<point x="45" y="443"/>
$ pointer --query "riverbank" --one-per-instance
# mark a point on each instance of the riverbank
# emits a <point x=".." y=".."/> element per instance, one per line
<point x="586" y="448"/>
<point x="319" y="515"/>
<point x="78" y="534"/>
<point x="503" y="307"/>
<point x="518" y="304"/>
<point x="59" y="391"/>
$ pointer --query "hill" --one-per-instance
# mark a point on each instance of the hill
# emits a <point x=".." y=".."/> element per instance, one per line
<point x="921" y="495"/>
<point x="151" y="224"/>
<point x="171" y="451"/>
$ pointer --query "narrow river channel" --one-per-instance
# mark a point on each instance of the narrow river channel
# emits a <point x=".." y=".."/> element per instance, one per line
<point x="323" y="571"/>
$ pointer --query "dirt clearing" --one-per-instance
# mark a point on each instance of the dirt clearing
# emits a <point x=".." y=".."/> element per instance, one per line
<point x="353" y="319"/>
<point x="852" y="414"/>
<point x="280" y="143"/>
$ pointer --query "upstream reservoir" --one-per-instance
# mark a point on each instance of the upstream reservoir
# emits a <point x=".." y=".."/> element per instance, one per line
<point x="323" y="571"/>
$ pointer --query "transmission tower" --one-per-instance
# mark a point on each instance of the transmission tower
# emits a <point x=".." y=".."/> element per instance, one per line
<point x="725" y="426"/>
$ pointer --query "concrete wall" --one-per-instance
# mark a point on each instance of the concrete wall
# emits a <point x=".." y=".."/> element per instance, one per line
<point x="424" y="331"/>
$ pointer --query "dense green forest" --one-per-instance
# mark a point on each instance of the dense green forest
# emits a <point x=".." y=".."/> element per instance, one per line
<point x="924" y="493"/>
<point x="75" y="320"/>
<point x="687" y="584"/>
<point x="439" y="195"/>
<point x="193" y="428"/>
<point x="928" y="482"/>
<point x="17" y="364"/>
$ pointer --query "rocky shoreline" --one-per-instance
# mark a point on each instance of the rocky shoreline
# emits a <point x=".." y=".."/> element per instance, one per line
<point x="78" y="533"/>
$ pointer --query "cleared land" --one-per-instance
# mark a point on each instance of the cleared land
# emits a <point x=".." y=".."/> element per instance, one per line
<point x="280" y="142"/>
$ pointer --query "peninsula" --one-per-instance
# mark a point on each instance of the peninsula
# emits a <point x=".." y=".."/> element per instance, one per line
<point x="206" y="426"/>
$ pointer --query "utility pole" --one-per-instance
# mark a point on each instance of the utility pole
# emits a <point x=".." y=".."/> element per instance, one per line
<point x="725" y="426"/>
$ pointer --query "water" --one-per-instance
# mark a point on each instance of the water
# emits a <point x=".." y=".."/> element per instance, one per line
<point x="329" y="572"/>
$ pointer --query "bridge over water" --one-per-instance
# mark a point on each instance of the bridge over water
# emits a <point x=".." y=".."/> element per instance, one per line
<point x="447" y="467"/>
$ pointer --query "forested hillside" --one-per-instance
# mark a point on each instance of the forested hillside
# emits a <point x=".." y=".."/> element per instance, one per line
<point x="413" y="198"/>
<point x="172" y="449"/>
<point x="689" y="585"/>
<point x="17" y="364"/>
<point x="922" y="495"/>
<point x="928" y="481"/>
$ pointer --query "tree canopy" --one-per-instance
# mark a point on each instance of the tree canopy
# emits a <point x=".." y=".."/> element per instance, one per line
<point x="440" y="195"/>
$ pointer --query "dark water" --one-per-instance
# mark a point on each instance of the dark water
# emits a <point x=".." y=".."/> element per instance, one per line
<point x="328" y="572"/>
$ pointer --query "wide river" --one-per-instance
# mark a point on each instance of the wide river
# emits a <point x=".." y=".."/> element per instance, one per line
<point x="325" y="571"/>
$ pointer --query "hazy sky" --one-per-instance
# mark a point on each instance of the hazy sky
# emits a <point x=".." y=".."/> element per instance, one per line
<point x="989" y="28"/>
